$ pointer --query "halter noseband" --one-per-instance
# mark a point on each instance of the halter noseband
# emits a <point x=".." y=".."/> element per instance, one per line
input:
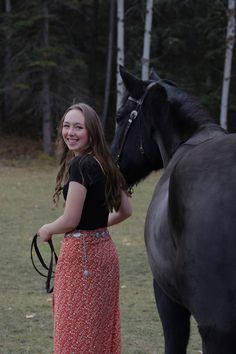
<point x="132" y="117"/>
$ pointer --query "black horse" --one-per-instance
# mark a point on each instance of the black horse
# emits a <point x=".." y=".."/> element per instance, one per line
<point x="190" y="229"/>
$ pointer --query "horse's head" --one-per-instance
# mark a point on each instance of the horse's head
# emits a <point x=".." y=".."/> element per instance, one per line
<point x="133" y="147"/>
<point x="154" y="119"/>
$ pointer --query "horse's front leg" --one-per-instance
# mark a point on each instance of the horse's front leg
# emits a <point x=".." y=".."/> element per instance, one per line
<point x="175" y="322"/>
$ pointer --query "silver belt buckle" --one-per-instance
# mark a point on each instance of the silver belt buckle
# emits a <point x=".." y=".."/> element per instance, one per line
<point x="76" y="234"/>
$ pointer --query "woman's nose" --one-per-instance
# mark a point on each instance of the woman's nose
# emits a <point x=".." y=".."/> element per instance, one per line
<point x="71" y="131"/>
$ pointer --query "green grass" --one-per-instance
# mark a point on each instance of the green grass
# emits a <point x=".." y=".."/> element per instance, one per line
<point x="26" y="323"/>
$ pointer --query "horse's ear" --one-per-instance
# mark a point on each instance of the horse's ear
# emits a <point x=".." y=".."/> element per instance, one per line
<point x="153" y="75"/>
<point x="133" y="85"/>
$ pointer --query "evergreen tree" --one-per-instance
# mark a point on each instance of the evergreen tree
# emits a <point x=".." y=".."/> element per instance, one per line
<point x="42" y="74"/>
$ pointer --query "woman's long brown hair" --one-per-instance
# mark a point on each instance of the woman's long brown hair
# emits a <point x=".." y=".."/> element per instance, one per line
<point x="98" y="148"/>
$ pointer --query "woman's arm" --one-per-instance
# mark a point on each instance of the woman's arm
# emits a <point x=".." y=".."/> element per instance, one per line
<point x="123" y="213"/>
<point x="72" y="213"/>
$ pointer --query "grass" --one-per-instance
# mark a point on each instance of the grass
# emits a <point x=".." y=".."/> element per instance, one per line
<point x="26" y="323"/>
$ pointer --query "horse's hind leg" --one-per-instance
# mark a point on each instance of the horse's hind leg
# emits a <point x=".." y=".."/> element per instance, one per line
<point x="175" y="322"/>
<point x="217" y="341"/>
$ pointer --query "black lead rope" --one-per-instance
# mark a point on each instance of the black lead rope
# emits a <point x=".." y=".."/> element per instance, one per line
<point x="49" y="269"/>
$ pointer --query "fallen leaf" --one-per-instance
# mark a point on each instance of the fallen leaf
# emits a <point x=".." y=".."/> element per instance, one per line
<point x="32" y="315"/>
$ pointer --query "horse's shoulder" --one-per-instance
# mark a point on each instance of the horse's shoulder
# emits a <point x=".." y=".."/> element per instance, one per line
<point x="206" y="134"/>
<point x="209" y="163"/>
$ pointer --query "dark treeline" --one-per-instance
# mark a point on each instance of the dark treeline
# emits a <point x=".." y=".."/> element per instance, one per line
<point x="53" y="53"/>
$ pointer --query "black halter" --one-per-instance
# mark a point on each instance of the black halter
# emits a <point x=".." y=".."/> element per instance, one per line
<point x="132" y="117"/>
<point x="50" y="271"/>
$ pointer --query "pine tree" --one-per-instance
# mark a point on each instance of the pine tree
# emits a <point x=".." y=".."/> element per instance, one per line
<point x="109" y="62"/>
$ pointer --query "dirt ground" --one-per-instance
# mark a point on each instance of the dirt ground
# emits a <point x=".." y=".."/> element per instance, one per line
<point x="14" y="147"/>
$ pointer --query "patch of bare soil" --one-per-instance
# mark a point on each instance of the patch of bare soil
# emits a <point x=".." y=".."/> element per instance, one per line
<point x="15" y="147"/>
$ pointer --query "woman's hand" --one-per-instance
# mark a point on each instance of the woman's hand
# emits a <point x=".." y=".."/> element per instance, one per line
<point x="72" y="213"/>
<point x="44" y="233"/>
<point x="124" y="212"/>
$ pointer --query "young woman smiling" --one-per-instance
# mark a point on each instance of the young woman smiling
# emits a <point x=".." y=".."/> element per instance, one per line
<point x="86" y="287"/>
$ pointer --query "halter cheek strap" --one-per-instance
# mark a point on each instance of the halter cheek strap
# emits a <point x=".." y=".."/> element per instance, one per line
<point x="132" y="117"/>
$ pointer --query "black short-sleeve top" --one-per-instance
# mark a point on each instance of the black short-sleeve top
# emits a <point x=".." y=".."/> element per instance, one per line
<point x="88" y="172"/>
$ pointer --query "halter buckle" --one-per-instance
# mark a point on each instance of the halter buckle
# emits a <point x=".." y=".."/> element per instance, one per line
<point x="133" y="115"/>
<point x="141" y="149"/>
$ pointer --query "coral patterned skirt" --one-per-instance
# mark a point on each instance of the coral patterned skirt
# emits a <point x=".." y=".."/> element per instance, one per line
<point x="86" y="297"/>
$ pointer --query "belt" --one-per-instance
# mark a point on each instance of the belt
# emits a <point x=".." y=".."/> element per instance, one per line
<point x="81" y="233"/>
<point x="84" y="234"/>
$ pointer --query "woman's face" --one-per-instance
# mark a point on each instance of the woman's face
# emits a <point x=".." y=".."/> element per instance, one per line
<point x="74" y="132"/>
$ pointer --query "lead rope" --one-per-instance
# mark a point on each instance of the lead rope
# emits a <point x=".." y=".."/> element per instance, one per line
<point x="54" y="258"/>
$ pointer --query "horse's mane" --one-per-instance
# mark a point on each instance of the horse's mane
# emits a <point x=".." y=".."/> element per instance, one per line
<point x="187" y="112"/>
<point x="187" y="107"/>
<point x="184" y="117"/>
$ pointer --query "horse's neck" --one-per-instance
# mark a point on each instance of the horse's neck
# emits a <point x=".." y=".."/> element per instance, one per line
<point x="203" y="134"/>
<point x="167" y="142"/>
<point x="164" y="155"/>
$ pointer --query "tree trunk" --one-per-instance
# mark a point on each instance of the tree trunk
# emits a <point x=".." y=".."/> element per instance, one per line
<point x="120" y="50"/>
<point x="93" y="50"/>
<point x="230" y="38"/>
<point x="109" y="62"/>
<point x="7" y="65"/>
<point x="147" y="40"/>
<point x="46" y="109"/>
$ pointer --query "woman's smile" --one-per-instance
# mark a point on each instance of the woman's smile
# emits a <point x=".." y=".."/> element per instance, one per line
<point x="74" y="132"/>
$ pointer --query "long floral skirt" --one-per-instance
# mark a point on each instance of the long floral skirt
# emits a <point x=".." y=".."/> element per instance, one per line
<point x="86" y="297"/>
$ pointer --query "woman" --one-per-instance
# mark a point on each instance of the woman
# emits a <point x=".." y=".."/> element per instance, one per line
<point x="86" y="287"/>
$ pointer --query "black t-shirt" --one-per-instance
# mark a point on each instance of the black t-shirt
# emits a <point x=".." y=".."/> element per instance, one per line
<point x="87" y="171"/>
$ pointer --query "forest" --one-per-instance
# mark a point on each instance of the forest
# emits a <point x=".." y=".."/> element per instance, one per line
<point x="54" y="53"/>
